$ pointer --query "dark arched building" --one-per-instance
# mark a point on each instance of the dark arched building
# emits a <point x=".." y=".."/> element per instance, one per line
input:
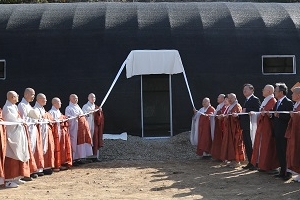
<point x="59" y="49"/>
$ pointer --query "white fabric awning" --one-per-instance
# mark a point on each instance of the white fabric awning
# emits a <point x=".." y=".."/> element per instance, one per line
<point x="142" y="62"/>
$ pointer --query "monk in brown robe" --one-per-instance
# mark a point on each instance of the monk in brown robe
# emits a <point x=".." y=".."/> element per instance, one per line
<point x="16" y="163"/>
<point x="293" y="136"/>
<point x="232" y="148"/>
<point x="45" y="129"/>
<point x="264" y="154"/>
<point x="63" y="151"/>
<point x="2" y="149"/>
<point x="204" y="133"/>
<point x="218" y="131"/>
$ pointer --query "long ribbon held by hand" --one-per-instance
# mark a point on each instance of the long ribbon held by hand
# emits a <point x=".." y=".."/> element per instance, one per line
<point x="46" y="122"/>
<point x="271" y="112"/>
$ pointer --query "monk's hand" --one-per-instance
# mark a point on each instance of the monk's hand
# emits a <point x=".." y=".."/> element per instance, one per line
<point x="251" y="113"/>
<point x="276" y="114"/>
<point x="298" y="112"/>
<point x="100" y="109"/>
<point x="263" y="113"/>
<point x="291" y="113"/>
<point x="244" y="110"/>
<point x="234" y="114"/>
<point x="194" y="110"/>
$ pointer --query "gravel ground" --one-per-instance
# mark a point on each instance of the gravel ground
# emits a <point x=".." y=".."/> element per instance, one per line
<point x="137" y="148"/>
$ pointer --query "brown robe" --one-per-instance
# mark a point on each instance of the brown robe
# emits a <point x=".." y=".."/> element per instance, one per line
<point x="293" y="142"/>
<point x="264" y="148"/>
<point x="63" y="149"/>
<point x="232" y="148"/>
<point x="39" y="154"/>
<point x="16" y="168"/>
<point x="218" y="136"/>
<point x="84" y="133"/>
<point x="204" y="134"/>
<point x="2" y="147"/>
<point x="98" y="130"/>
<point x="49" y="155"/>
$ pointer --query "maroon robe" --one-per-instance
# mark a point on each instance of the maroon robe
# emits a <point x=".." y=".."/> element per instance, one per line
<point x="293" y="142"/>
<point x="218" y="136"/>
<point x="204" y="134"/>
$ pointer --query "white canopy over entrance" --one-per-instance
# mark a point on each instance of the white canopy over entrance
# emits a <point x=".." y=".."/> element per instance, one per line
<point x="145" y="62"/>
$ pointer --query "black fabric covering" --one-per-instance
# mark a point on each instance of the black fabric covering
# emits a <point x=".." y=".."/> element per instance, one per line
<point x="59" y="49"/>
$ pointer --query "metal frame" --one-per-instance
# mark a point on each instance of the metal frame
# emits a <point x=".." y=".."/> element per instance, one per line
<point x="4" y="70"/>
<point x="278" y="56"/>
<point x="171" y="113"/>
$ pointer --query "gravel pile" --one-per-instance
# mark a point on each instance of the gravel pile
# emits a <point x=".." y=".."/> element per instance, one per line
<point x="137" y="148"/>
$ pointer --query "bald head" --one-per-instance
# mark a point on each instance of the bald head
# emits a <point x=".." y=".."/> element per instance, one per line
<point x="29" y="94"/>
<point x="73" y="98"/>
<point x="206" y="102"/>
<point x="231" y="98"/>
<point x="92" y="98"/>
<point x="296" y="94"/>
<point x="41" y="99"/>
<point x="221" y="98"/>
<point x="268" y="90"/>
<point x="12" y="97"/>
<point x="56" y="102"/>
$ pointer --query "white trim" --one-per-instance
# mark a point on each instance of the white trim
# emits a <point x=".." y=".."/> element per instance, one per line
<point x="278" y="56"/>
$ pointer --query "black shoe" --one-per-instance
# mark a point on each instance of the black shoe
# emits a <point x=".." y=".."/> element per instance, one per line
<point x="40" y="173"/>
<point x="287" y="176"/>
<point x="248" y="166"/>
<point x="95" y="160"/>
<point x="274" y="171"/>
<point x="48" y="171"/>
<point x="252" y="168"/>
<point x="75" y="164"/>
<point x="279" y="175"/>
<point x="261" y="170"/>
<point x="34" y="175"/>
<point x="27" y="179"/>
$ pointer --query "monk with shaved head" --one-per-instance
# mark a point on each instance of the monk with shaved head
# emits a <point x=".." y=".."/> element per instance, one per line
<point x="204" y="133"/>
<point x="264" y="149"/>
<point x="18" y="152"/>
<point x="31" y="116"/>
<point x="96" y="124"/>
<point x="63" y="151"/>
<point x="80" y="134"/>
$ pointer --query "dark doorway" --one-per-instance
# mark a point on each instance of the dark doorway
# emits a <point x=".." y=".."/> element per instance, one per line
<point x="156" y="106"/>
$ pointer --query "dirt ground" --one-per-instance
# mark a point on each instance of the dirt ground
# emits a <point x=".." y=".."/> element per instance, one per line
<point x="138" y="179"/>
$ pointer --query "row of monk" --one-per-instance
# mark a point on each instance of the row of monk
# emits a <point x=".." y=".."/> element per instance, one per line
<point x="266" y="133"/>
<point x="36" y="143"/>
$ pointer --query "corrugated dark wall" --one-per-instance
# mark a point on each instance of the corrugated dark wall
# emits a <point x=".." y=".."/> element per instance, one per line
<point x="59" y="49"/>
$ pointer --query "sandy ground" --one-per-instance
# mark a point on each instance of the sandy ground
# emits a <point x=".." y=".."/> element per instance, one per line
<point x="138" y="179"/>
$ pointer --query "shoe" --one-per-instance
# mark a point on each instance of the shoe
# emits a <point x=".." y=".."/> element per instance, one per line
<point x="27" y="179"/>
<point x="261" y="170"/>
<point x="88" y="161"/>
<point x="34" y="175"/>
<point x="63" y="168"/>
<point x="40" y="173"/>
<point x="10" y="184"/>
<point x="279" y="176"/>
<point x="248" y="166"/>
<point x="80" y="162"/>
<point x="96" y="160"/>
<point x="252" y="168"/>
<point x="287" y="176"/>
<point x="75" y="164"/>
<point x="47" y="171"/>
<point x="19" y="182"/>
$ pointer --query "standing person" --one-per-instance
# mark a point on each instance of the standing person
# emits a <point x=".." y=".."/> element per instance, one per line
<point x="293" y="137"/>
<point x="63" y="150"/>
<point x="96" y="124"/>
<point x="264" y="154"/>
<point x="2" y="149"/>
<point x="80" y="134"/>
<point x="16" y="163"/>
<point x="30" y="116"/>
<point x="252" y="103"/>
<point x="204" y="134"/>
<point x="218" y="130"/>
<point x="280" y="123"/>
<point x="45" y="130"/>
<point x="232" y="148"/>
